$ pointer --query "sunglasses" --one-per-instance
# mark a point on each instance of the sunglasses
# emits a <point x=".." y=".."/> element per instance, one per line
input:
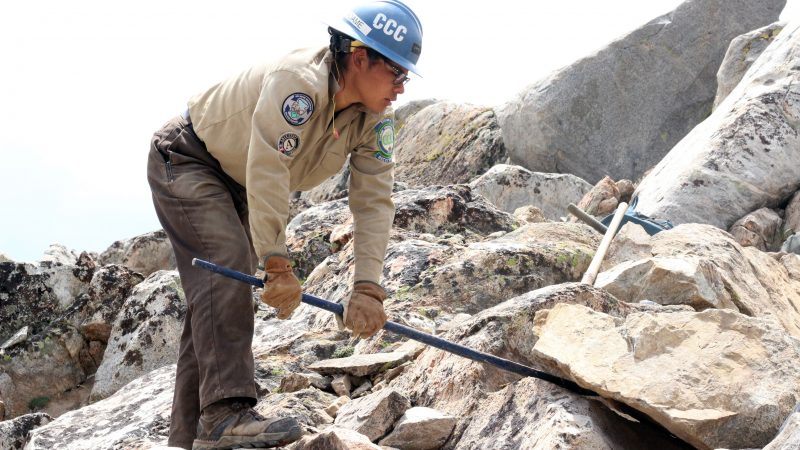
<point x="399" y="76"/>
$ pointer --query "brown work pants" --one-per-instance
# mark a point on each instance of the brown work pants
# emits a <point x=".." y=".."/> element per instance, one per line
<point x="204" y="213"/>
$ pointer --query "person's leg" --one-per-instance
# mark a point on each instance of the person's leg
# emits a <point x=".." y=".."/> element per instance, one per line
<point x="197" y="209"/>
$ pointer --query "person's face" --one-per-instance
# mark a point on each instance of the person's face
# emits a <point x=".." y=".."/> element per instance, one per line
<point x="380" y="82"/>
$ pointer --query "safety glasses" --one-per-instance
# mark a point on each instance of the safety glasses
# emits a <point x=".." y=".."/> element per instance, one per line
<point x="399" y="76"/>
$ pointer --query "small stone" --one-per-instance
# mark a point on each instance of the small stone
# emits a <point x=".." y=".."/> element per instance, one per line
<point x="530" y="214"/>
<point x="18" y="337"/>
<point x="361" y="390"/>
<point x="335" y="438"/>
<point x="421" y="429"/>
<point x="373" y="415"/>
<point x="342" y="385"/>
<point x="318" y="381"/>
<point x="294" y="382"/>
<point x="333" y="408"/>
<point x="391" y="374"/>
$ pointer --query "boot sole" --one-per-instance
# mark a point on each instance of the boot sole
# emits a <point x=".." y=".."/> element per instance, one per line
<point x="263" y="440"/>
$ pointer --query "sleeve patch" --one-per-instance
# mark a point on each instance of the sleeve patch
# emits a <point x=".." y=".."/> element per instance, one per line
<point x="288" y="143"/>
<point x="384" y="134"/>
<point x="297" y="108"/>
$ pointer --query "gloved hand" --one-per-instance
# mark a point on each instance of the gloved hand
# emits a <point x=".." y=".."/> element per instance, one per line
<point x="281" y="287"/>
<point x="363" y="310"/>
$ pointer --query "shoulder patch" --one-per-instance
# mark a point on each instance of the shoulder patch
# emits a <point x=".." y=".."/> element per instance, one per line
<point x="384" y="134"/>
<point x="288" y="143"/>
<point x="297" y="108"/>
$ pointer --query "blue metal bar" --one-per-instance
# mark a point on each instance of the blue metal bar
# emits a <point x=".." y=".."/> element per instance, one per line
<point x="411" y="333"/>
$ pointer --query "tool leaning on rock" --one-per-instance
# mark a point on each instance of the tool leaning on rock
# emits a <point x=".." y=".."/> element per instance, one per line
<point x="411" y="333"/>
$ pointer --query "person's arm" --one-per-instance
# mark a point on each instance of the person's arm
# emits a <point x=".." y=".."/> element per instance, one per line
<point x="370" y="198"/>
<point x="280" y="114"/>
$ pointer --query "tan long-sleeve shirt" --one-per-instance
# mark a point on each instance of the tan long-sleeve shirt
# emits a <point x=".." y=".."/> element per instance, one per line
<point x="271" y="129"/>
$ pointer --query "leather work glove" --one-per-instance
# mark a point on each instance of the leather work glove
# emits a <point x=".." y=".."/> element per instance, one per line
<point x="363" y="310"/>
<point x="281" y="287"/>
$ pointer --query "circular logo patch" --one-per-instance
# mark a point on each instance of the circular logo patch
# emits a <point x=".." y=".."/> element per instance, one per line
<point x="288" y="143"/>
<point x="384" y="131"/>
<point x="297" y="108"/>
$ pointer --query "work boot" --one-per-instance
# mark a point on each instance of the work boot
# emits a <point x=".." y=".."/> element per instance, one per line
<point x="231" y="423"/>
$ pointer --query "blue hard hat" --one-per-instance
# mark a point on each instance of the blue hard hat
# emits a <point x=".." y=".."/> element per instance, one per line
<point x="387" y="26"/>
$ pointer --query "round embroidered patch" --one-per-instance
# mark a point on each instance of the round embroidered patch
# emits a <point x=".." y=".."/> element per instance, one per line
<point x="297" y="108"/>
<point x="384" y="132"/>
<point x="288" y="143"/>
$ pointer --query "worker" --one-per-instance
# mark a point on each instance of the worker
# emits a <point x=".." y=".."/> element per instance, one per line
<point x="221" y="175"/>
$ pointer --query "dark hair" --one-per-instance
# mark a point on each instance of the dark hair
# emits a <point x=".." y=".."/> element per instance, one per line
<point x="340" y="47"/>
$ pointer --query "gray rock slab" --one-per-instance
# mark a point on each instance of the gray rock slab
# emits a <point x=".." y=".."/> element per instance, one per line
<point x="360" y="365"/>
<point x="619" y="111"/>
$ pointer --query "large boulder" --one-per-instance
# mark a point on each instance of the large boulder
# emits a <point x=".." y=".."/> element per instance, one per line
<point x="744" y="156"/>
<point x="41" y="368"/>
<point x="33" y="295"/>
<point x="48" y="365"/>
<point x="741" y="54"/>
<point x="145" y="253"/>
<point x="145" y="335"/>
<point x="448" y="143"/>
<point x="14" y="433"/>
<point x="716" y="379"/>
<point x="403" y="113"/>
<point x="137" y="416"/>
<point x="617" y="112"/>
<point x="510" y="187"/>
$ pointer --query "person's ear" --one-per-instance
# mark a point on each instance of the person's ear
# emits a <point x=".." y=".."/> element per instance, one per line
<point x="359" y="59"/>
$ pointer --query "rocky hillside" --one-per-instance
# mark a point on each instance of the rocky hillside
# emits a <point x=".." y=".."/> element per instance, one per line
<point x="689" y="338"/>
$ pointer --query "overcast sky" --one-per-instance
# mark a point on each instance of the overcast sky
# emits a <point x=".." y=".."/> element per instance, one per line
<point x="84" y="84"/>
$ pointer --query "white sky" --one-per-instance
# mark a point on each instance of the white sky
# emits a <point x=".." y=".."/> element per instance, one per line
<point x="84" y="84"/>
